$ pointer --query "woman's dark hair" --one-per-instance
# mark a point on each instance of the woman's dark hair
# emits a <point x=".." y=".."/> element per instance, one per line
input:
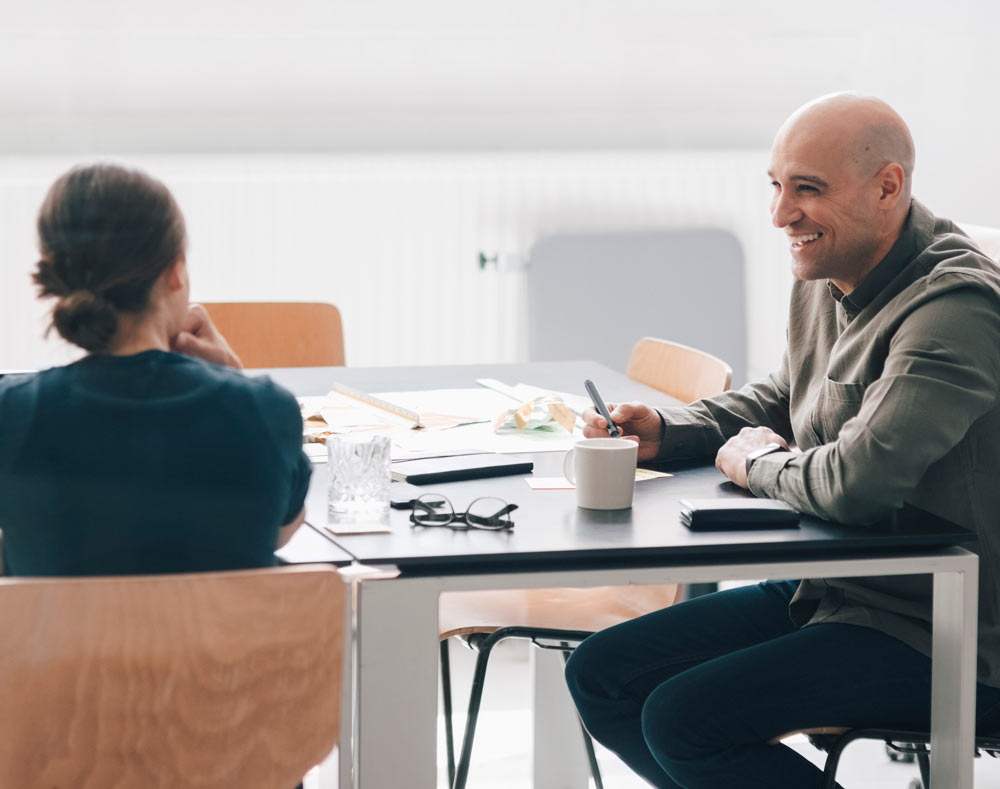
<point x="106" y="233"/>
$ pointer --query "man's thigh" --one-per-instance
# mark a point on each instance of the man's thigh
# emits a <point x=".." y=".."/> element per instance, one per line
<point x="635" y="657"/>
<point x="821" y="675"/>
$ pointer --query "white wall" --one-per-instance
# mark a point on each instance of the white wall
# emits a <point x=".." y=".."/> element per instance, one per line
<point x="126" y="78"/>
<point x="338" y="75"/>
<point x="394" y="240"/>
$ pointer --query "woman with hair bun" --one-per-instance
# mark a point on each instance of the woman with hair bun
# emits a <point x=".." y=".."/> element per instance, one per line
<point x="150" y="454"/>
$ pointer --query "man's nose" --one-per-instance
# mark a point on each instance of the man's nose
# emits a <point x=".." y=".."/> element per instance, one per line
<point x="784" y="209"/>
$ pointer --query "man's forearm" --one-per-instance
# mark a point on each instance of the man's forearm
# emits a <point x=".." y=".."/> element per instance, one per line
<point x="941" y="376"/>
<point x="696" y="432"/>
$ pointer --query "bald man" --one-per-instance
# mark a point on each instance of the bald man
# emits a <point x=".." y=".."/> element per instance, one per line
<point x="887" y="394"/>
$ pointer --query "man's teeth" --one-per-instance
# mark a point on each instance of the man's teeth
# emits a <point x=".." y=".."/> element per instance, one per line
<point x="798" y="241"/>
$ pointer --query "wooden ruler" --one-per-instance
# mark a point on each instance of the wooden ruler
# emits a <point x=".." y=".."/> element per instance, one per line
<point x="385" y="405"/>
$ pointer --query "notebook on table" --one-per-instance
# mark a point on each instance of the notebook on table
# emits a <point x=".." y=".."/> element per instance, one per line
<point x="431" y="471"/>
<point x="737" y="514"/>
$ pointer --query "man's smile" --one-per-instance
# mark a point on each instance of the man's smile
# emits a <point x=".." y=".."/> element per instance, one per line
<point x="799" y="241"/>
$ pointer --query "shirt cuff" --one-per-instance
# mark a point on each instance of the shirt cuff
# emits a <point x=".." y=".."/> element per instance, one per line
<point x="764" y="471"/>
<point x="681" y="440"/>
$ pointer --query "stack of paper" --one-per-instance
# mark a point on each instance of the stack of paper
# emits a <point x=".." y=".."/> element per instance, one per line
<point x="450" y="420"/>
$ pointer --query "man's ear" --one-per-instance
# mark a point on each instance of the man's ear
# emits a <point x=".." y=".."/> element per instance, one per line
<point x="176" y="275"/>
<point x="890" y="180"/>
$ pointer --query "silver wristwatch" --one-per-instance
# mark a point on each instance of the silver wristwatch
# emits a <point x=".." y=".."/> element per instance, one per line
<point x="759" y="453"/>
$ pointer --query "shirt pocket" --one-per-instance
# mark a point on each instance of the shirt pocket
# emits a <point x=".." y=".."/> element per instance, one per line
<point x="837" y="403"/>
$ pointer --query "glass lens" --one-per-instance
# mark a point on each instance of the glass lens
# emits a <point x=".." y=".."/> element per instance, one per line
<point x="432" y="509"/>
<point x="489" y="513"/>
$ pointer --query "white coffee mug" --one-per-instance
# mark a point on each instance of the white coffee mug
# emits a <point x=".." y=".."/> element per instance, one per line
<point x="603" y="470"/>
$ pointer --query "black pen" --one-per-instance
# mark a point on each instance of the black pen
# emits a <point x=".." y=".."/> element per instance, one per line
<point x="602" y="409"/>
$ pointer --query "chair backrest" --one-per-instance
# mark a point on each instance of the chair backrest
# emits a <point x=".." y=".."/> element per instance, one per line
<point x="211" y="680"/>
<point x="281" y="334"/>
<point x="682" y="372"/>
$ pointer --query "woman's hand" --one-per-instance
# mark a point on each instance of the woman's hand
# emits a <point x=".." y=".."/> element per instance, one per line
<point x="198" y="337"/>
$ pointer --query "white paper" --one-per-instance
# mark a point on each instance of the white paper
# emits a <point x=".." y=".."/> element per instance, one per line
<point x="481" y="436"/>
<point x="477" y="403"/>
<point x="561" y="483"/>
<point x="549" y="483"/>
<point x="315" y="452"/>
<point x="376" y="527"/>
<point x="346" y="415"/>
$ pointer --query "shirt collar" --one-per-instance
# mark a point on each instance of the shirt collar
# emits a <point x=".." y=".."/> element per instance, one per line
<point x="901" y="253"/>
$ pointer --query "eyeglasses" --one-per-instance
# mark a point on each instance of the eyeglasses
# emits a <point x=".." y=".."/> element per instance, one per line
<point x="433" y="509"/>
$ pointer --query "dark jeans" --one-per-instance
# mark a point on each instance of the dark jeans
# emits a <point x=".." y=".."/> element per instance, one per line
<point x="689" y="696"/>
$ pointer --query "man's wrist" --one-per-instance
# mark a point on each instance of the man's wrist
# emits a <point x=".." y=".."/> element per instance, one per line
<point x="759" y="453"/>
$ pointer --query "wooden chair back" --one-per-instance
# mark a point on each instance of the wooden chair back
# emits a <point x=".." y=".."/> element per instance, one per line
<point x="214" y="680"/>
<point x="281" y="334"/>
<point x="682" y="372"/>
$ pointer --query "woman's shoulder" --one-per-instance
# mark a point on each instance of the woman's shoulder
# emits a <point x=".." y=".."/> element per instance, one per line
<point x="11" y="379"/>
<point x="271" y="401"/>
<point x="17" y="388"/>
<point x="265" y="392"/>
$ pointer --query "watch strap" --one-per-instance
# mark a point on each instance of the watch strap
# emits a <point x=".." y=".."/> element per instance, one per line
<point x="759" y="453"/>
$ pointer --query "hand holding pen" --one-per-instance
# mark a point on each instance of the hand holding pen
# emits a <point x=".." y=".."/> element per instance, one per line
<point x="634" y="421"/>
<point x="602" y="409"/>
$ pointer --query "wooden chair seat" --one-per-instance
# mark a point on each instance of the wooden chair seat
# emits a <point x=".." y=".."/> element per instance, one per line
<point x="281" y="334"/>
<point x="463" y="613"/>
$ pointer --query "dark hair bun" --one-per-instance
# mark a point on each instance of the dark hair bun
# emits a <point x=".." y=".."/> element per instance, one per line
<point x="86" y="319"/>
<point x="106" y="235"/>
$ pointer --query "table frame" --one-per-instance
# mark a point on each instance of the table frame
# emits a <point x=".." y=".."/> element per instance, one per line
<point x="396" y="647"/>
<point x="397" y="677"/>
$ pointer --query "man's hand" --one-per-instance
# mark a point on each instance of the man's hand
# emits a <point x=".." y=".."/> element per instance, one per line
<point x="637" y="422"/>
<point x="198" y="337"/>
<point x="732" y="458"/>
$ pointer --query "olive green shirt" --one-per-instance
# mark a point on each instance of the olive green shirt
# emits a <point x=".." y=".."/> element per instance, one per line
<point x="890" y="395"/>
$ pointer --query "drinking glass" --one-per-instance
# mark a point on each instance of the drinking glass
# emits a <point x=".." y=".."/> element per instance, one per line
<point x="359" y="477"/>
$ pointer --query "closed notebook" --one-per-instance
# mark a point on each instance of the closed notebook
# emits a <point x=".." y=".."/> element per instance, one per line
<point x="454" y="469"/>
<point x="737" y="514"/>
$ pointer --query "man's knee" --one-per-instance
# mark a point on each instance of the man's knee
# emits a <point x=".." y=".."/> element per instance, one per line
<point x="590" y="675"/>
<point x="585" y="666"/>
<point x="681" y="722"/>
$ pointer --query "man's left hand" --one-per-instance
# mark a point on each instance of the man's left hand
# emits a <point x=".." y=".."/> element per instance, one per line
<point x="732" y="458"/>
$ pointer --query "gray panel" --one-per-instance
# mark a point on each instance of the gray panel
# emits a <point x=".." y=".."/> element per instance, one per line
<point x="592" y="296"/>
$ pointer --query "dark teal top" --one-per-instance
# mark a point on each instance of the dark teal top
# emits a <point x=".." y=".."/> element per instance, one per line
<point x="149" y="463"/>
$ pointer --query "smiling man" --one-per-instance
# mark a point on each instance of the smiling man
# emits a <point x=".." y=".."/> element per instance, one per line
<point x="887" y="395"/>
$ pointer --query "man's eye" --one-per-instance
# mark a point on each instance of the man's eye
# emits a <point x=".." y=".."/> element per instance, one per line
<point x="775" y="184"/>
<point x="807" y="188"/>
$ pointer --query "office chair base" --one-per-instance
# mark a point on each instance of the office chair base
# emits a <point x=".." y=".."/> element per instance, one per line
<point x="914" y="744"/>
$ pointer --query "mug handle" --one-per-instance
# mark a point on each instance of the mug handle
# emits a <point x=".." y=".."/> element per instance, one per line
<point x="568" y="470"/>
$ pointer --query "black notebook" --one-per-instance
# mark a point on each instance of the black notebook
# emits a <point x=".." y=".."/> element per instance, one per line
<point x="737" y="514"/>
<point x="455" y="469"/>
